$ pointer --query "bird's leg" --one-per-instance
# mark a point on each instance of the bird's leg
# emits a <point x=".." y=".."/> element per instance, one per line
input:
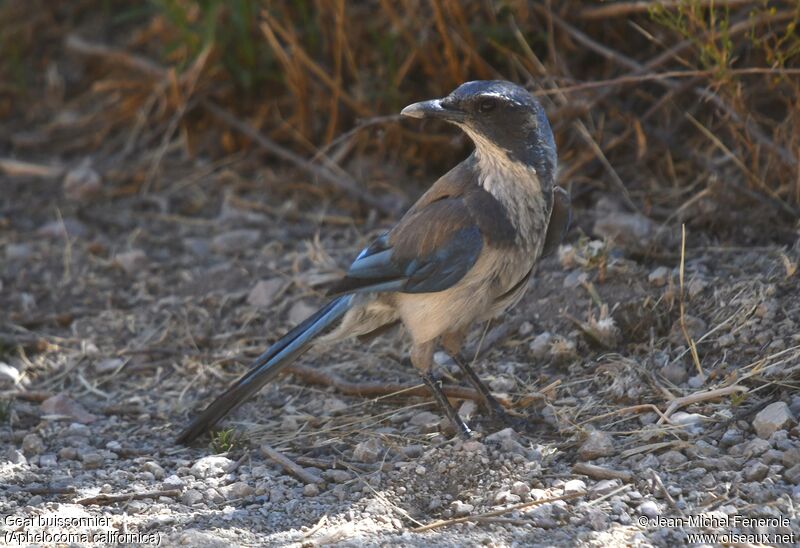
<point x="451" y="342"/>
<point x="422" y="358"/>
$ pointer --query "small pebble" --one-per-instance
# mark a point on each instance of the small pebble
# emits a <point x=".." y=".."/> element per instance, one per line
<point x="191" y="497"/>
<point x="648" y="508"/>
<point x="32" y="444"/>
<point x="461" y="509"/>
<point x="659" y="276"/>
<point x="598" y="444"/>
<point x="776" y="416"/>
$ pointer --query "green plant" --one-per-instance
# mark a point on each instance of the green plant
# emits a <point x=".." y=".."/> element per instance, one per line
<point x="230" y="26"/>
<point x="706" y="28"/>
<point x="5" y="410"/>
<point x="224" y="440"/>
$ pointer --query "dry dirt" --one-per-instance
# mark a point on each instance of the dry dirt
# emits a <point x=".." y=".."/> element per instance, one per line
<point x="123" y="315"/>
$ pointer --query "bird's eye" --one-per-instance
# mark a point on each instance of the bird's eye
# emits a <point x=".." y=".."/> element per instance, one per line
<point x="487" y="105"/>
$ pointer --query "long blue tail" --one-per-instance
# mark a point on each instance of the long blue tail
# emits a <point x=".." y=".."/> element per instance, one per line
<point x="268" y="365"/>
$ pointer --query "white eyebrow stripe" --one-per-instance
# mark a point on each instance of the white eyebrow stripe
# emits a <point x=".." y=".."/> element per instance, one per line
<point x="500" y="95"/>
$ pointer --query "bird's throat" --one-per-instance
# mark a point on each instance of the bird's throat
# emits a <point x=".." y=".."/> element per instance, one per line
<point x="517" y="187"/>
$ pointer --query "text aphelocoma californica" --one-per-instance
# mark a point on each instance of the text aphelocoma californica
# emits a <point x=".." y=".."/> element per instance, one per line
<point x="463" y="253"/>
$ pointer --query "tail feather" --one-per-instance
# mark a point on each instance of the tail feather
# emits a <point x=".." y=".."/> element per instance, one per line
<point x="267" y="366"/>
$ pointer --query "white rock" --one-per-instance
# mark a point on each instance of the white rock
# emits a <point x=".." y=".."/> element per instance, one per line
<point x="154" y="468"/>
<point x="32" y="444"/>
<point x="192" y="497"/>
<point x="467" y="410"/>
<point x="473" y="446"/>
<point x="501" y="435"/>
<point x="675" y="372"/>
<point x="502" y="384"/>
<point x="443" y="359"/>
<point x="756" y="472"/>
<point x="48" y="460"/>
<point x="211" y="466"/>
<point x="792" y="474"/>
<point x="108" y="365"/>
<point x="625" y="228"/>
<point x="82" y="183"/>
<point x="92" y="459"/>
<point x="18" y="251"/>
<point x="264" y="292"/>
<point x="520" y="488"/>
<point x="696" y="286"/>
<point x="338" y="476"/>
<point x="235" y="241"/>
<point x="691" y="422"/>
<point x="696" y="327"/>
<point x="238" y="490"/>
<point x="540" y="346"/>
<point x="598" y="444"/>
<point x="131" y="261"/>
<point x="424" y="418"/>
<point x="55" y="230"/>
<point x="672" y="458"/>
<point x="659" y="276"/>
<point x="300" y="311"/>
<point x="461" y="508"/>
<point x="726" y="339"/>
<point x="9" y="376"/>
<point x="173" y="482"/>
<point x="649" y="508"/>
<point x="776" y="416"/>
<point x="62" y="405"/>
<point x="574" y="486"/>
<point x="575" y="278"/>
<point x="605" y="486"/>
<point x="563" y="350"/>
<point x="331" y="406"/>
<point x="368" y="451"/>
<point x="506" y="497"/>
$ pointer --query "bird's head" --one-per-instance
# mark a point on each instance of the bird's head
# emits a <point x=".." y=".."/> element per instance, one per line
<point x="501" y="118"/>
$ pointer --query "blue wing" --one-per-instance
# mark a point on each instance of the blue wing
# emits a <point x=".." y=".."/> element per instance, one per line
<point x="430" y="250"/>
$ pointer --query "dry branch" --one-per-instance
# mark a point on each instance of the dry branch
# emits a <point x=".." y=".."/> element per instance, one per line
<point x="105" y="499"/>
<point x="17" y="168"/>
<point x="600" y="472"/>
<point x="478" y="517"/>
<point x="624" y="9"/>
<point x="346" y="184"/>
<point x="375" y="389"/>
<point x="287" y="464"/>
<point x="114" y="56"/>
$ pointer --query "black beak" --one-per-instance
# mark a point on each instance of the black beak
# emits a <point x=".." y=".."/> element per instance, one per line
<point x="433" y="109"/>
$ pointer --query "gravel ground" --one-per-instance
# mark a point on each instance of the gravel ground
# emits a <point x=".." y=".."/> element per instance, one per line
<point x="114" y="334"/>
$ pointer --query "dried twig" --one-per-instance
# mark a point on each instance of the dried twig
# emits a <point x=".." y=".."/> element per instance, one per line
<point x="374" y="389"/>
<point x="105" y="499"/>
<point x="663" y="489"/>
<point x="493" y="513"/>
<point x="600" y="472"/>
<point x="624" y="9"/>
<point x="684" y="330"/>
<point x="287" y="464"/>
<point x="114" y="56"/>
<point x="346" y="184"/>
<point x="18" y="168"/>
<point x="697" y="397"/>
<point x="49" y="490"/>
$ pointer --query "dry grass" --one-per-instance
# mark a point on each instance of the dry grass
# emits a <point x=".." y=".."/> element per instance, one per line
<point x="670" y="104"/>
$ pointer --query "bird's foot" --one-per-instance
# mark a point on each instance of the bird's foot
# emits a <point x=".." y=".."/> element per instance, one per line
<point x="435" y="386"/>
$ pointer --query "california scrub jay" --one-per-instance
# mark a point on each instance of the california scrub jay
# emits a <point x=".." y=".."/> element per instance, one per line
<point x="463" y="253"/>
